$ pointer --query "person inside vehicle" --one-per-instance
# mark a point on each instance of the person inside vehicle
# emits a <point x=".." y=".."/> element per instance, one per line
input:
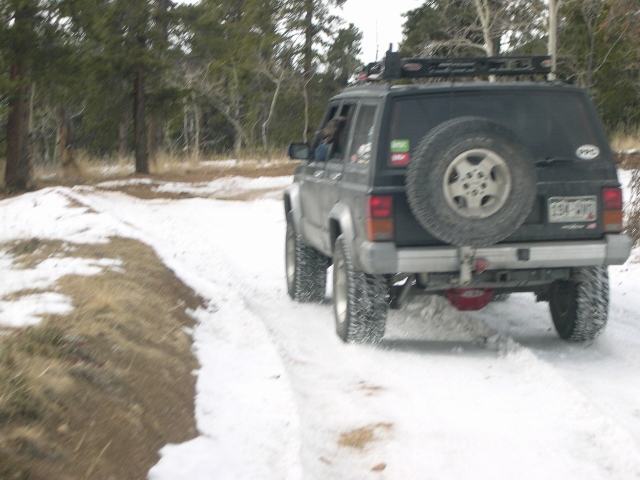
<point x="331" y="139"/>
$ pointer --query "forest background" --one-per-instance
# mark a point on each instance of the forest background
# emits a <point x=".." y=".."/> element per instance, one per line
<point x="134" y="80"/>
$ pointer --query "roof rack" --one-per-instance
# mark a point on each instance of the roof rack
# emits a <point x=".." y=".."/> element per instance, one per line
<point x="394" y="67"/>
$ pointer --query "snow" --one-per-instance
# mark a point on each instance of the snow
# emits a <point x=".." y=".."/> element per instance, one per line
<point x="492" y="394"/>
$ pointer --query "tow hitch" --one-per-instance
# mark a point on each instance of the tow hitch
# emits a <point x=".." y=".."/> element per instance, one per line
<point x="469" y="298"/>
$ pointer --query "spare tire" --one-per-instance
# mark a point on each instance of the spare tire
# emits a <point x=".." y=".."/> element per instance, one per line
<point x="471" y="182"/>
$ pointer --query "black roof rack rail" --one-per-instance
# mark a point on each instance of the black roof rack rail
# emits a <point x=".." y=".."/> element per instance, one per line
<point x="394" y="67"/>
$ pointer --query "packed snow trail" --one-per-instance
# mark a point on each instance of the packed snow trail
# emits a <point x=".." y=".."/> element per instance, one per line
<point x="489" y="395"/>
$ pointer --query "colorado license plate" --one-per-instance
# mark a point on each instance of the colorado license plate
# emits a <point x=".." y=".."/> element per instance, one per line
<point x="572" y="209"/>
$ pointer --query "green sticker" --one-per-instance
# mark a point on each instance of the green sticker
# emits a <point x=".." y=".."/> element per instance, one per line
<point x="399" y="146"/>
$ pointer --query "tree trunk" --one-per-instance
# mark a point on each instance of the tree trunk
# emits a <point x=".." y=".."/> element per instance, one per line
<point x="123" y="140"/>
<point x="155" y="132"/>
<point x="272" y="108"/>
<point x="139" y="127"/>
<point x="309" y="35"/>
<point x="18" y="168"/>
<point x="196" y="140"/>
<point x="66" y="141"/>
<point x="155" y="136"/>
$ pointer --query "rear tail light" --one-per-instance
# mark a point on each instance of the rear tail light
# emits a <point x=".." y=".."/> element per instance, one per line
<point x="612" y="198"/>
<point x="612" y="201"/>
<point x="380" y="218"/>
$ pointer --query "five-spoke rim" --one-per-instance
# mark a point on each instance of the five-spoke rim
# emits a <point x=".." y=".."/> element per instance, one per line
<point x="477" y="183"/>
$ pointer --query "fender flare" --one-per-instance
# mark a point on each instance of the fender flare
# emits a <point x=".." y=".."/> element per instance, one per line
<point x="341" y="223"/>
<point x="293" y="205"/>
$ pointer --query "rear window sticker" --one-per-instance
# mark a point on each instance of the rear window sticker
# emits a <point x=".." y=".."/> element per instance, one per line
<point x="400" y="152"/>
<point x="587" y="152"/>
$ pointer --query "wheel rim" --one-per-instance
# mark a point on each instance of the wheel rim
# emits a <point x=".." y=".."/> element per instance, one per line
<point x="340" y="290"/>
<point x="477" y="183"/>
<point x="290" y="258"/>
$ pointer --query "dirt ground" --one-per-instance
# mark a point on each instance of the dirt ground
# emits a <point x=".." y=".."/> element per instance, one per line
<point x="95" y="394"/>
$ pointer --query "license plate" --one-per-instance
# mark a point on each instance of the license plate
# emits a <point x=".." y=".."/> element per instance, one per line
<point x="572" y="209"/>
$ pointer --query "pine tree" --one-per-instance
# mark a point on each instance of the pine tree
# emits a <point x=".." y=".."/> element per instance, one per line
<point x="314" y="22"/>
<point x="123" y="50"/>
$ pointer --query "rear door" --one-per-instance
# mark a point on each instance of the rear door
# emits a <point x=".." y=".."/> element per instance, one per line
<point x="559" y="127"/>
<point x="332" y="180"/>
<point x="311" y="185"/>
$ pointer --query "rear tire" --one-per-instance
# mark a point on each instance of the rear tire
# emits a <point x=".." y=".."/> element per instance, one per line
<point x="306" y="268"/>
<point x="359" y="299"/>
<point x="580" y="307"/>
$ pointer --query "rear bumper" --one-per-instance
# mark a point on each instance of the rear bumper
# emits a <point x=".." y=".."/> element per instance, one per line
<point x="384" y="257"/>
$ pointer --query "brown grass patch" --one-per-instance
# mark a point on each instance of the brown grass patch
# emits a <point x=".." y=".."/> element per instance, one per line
<point x="626" y="140"/>
<point x="96" y="393"/>
<point x="627" y="160"/>
<point x="29" y="253"/>
<point x="170" y="169"/>
<point x="361" y="437"/>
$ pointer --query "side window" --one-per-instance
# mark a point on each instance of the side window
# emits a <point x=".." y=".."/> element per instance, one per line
<point x="331" y="138"/>
<point x="360" y="151"/>
<point x="329" y="114"/>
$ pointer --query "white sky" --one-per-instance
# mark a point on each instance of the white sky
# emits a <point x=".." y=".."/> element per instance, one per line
<point x="380" y="21"/>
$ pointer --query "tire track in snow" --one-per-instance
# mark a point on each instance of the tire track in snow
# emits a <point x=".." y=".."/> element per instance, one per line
<point x="230" y="389"/>
<point x="605" y="371"/>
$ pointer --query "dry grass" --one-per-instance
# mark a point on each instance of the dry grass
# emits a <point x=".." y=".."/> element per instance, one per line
<point x="96" y="394"/>
<point x="624" y="141"/>
<point x="361" y="437"/>
<point x="166" y="167"/>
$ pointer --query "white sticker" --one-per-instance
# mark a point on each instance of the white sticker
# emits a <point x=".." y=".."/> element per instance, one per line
<point x="588" y="152"/>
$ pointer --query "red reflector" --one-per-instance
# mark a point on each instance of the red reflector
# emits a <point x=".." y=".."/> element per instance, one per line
<point x="612" y="198"/>
<point x="379" y="206"/>
<point x="412" y="67"/>
<point x="481" y="265"/>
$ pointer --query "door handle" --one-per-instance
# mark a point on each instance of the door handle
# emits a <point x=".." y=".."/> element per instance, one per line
<point x="318" y="173"/>
<point x="336" y="176"/>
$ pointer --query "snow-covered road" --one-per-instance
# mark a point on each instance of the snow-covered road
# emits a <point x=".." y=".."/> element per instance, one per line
<point x="447" y="395"/>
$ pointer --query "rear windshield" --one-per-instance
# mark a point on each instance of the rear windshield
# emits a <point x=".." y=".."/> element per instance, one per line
<point x="551" y="125"/>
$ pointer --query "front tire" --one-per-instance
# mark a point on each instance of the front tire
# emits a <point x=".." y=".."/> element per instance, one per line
<point x="306" y="268"/>
<point x="580" y="306"/>
<point x="359" y="299"/>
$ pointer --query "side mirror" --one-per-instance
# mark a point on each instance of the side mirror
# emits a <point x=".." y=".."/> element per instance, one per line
<point x="299" y="151"/>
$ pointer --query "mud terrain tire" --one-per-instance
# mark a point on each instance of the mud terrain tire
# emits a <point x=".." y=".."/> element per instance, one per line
<point x="359" y="299"/>
<point x="306" y="268"/>
<point x="580" y="306"/>
<point x="471" y="181"/>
